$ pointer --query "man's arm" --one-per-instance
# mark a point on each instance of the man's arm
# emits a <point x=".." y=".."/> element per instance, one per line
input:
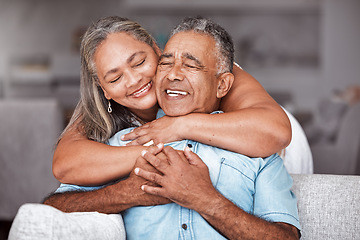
<point x="235" y="223"/>
<point x="185" y="180"/>
<point x="110" y="199"/>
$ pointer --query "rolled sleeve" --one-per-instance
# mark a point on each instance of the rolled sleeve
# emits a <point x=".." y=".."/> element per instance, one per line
<point x="273" y="200"/>
<point x="74" y="188"/>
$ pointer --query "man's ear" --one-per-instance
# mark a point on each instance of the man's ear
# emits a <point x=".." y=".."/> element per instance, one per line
<point x="225" y="82"/>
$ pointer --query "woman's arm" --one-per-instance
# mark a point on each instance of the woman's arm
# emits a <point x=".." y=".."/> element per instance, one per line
<point x="78" y="160"/>
<point x="253" y="123"/>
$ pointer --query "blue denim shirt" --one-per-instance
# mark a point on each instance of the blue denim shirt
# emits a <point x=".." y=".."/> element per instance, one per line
<point x="259" y="186"/>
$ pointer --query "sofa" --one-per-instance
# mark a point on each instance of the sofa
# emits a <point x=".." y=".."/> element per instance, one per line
<point x="328" y="209"/>
<point x="329" y="206"/>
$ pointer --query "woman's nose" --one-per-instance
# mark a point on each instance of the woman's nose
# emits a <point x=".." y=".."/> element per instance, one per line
<point x="133" y="77"/>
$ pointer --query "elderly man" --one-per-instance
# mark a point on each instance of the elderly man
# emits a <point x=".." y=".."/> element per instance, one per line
<point x="194" y="73"/>
<point x="228" y="195"/>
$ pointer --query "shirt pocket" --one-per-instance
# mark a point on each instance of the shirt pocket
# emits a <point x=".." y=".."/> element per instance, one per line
<point x="236" y="181"/>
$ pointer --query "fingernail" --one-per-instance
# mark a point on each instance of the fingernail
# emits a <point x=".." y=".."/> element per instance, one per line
<point x="160" y="145"/>
<point x="142" y="187"/>
<point x="136" y="171"/>
<point x="122" y="137"/>
<point x="143" y="152"/>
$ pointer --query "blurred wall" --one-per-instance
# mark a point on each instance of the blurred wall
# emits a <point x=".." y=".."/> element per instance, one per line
<point x="49" y="29"/>
<point x="340" y="47"/>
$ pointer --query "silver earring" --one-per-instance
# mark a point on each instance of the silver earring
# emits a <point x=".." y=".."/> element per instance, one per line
<point x="109" y="107"/>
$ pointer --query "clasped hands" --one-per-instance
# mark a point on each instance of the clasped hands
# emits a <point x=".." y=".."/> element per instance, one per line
<point x="180" y="176"/>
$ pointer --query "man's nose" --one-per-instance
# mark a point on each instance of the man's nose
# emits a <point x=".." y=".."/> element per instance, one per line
<point x="176" y="73"/>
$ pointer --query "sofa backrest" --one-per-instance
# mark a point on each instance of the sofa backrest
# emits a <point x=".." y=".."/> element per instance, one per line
<point x="329" y="206"/>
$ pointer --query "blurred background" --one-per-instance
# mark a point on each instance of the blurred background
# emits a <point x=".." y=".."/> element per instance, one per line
<point x="306" y="53"/>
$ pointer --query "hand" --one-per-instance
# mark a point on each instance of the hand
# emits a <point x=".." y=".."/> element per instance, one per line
<point x="184" y="178"/>
<point x="135" y="182"/>
<point x="162" y="130"/>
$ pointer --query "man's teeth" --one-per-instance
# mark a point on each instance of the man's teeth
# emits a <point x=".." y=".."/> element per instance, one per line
<point x="143" y="89"/>
<point x="175" y="93"/>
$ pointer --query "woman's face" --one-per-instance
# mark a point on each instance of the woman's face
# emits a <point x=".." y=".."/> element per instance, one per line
<point x="126" y="68"/>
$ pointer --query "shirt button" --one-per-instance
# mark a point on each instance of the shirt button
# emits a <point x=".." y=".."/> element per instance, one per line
<point x="184" y="226"/>
<point x="190" y="145"/>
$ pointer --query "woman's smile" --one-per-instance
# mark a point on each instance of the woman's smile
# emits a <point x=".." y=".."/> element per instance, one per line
<point x="142" y="91"/>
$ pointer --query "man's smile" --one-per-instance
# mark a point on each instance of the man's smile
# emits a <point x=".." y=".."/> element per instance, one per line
<point x="175" y="93"/>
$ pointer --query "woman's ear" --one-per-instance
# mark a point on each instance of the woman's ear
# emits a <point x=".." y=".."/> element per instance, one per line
<point x="106" y="95"/>
<point x="225" y="82"/>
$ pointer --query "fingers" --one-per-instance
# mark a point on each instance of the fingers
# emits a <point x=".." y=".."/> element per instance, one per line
<point x="136" y="133"/>
<point x="142" y="162"/>
<point x="129" y="136"/>
<point x="158" y="191"/>
<point x="152" y="177"/>
<point x="192" y="157"/>
<point x="173" y="155"/>
<point x="154" y="149"/>
<point x="182" y="156"/>
<point x="140" y="136"/>
<point x="155" y="157"/>
<point x="143" y="140"/>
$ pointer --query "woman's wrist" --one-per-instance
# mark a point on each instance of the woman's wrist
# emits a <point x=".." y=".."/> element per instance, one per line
<point x="185" y="126"/>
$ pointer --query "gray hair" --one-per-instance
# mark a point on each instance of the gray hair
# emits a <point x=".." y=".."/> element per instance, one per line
<point x="90" y="115"/>
<point x="223" y="41"/>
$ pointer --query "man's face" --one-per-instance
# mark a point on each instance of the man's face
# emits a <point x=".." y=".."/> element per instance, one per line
<point x="186" y="79"/>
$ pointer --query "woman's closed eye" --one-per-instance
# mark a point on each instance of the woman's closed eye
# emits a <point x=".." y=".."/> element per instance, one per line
<point x="116" y="79"/>
<point x="141" y="62"/>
